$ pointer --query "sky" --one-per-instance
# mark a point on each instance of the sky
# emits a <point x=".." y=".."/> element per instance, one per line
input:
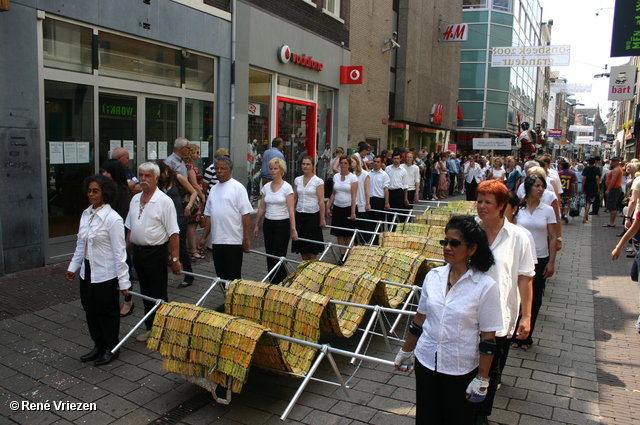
<point x="575" y="23"/>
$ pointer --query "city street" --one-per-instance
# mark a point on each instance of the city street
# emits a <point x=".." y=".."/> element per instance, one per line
<point x="583" y="368"/>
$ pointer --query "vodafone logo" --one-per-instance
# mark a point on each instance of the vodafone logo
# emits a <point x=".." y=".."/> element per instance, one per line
<point x="354" y="75"/>
<point x="284" y="53"/>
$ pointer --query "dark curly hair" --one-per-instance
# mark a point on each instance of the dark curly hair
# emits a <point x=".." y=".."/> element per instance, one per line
<point x="108" y="186"/>
<point x="473" y="233"/>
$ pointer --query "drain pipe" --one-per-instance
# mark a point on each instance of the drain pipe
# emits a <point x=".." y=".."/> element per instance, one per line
<point x="232" y="100"/>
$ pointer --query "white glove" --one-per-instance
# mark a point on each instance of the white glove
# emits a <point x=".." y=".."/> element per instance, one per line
<point x="404" y="360"/>
<point x="477" y="389"/>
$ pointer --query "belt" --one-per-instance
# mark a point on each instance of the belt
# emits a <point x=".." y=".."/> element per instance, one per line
<point x="143" y="247"/>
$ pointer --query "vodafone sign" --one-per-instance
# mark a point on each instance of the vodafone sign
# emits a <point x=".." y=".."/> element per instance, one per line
<point x="285" y="56"/>
<point x="351" y="74"/>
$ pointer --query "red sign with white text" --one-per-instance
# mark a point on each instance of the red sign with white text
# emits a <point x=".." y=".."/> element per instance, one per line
<point x="351" y="74"/>
<point x="555" y="132"/>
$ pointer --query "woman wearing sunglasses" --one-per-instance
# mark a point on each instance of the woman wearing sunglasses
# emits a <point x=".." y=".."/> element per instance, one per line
<point x="453" y="331"/>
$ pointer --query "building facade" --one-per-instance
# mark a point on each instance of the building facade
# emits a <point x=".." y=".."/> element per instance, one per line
<point x="495" y="100"/>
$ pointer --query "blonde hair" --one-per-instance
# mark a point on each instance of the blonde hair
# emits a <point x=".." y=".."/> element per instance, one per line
<point x="537" y="170"/>
<point x="193" y="151"/>
<point x="221" y="152"/>
<point x="358" y="168"/>
<point x="280" y="163"/>
<point x="338" y="152"/>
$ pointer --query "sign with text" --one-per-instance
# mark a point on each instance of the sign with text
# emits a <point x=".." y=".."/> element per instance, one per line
<point x="624" y="39"/>
<point x="530" y="56"/>
<point x="581" y="128"/>
<point x="622" y="82"/>
<point x="555" y="132"/>
<point x="495" y="144"/>
<point x="454" y="32"/>
<point x="583" y="140"/>
<point x="570" y="88"/>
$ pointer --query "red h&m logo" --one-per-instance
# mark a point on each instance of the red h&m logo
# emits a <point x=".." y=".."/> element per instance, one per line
<point x="437" y="114"/>
<point x="351" y="74"/>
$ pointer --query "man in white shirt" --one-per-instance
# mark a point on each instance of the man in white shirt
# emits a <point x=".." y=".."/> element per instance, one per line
<point x="228" y="219"/>
<point x="398" y="186"/>
<point x="379" y="183"/>
<point x="153" y="232"/>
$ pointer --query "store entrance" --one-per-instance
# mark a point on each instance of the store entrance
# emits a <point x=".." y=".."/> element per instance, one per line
<point x="296" y="125"/>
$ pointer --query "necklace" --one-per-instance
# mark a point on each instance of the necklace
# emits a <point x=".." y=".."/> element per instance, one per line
<point x="143" y="204"/>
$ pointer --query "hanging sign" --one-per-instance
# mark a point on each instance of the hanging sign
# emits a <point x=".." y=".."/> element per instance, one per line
<point x="351" y="74"/>
<point x="581" y="128"/>
<point x="488" y="143"/>
<point x="555" y="132"/>
<point x="624" y="39"/>
<point x="570" y="88"/>
<point x="622" y="82"/>
<point x="454" y="32"/>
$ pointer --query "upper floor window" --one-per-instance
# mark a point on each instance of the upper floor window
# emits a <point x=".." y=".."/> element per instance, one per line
<point x="333" y="7"/>
<point x="474" y="4"/>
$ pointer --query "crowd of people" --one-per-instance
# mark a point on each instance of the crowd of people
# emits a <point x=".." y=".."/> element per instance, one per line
<point x="482" y="303"/>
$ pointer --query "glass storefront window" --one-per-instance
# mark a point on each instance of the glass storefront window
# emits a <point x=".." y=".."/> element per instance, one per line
<point x="472" y="112"/>
<point x="66" y="46"/>
<point x="324" y="141"/>
<point x="161" y="127"/>
<point x="199" y="129"/>
<point x="69" y="153"/>
<point x="130" y="59"/>
<point x="199" y="73"/>
<point x="118" y="126"/>
<point x="295" y="88"/>
<point x="259" y="130"/>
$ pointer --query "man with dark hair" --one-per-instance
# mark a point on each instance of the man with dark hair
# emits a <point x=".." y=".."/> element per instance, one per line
<point x="363" y="152"/>
<point x="569" y="186"/>
<point x="590" y="187"/>
<point x="398" y="185"/>
<point x="613" y="185"/>
<point x="277" y="146"/>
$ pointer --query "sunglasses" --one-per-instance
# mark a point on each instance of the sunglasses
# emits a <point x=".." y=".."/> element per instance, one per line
<point x="454" y="243"/>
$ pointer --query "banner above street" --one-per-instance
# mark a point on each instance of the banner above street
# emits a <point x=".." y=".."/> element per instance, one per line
<point x="530" y="56"/>
<point x="581" y="128"/>
<point x="570" y="88"/>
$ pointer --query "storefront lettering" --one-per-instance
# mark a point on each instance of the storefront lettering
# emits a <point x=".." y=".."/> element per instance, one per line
<point x="124" y="111"/>
<point x="307" y="61"/>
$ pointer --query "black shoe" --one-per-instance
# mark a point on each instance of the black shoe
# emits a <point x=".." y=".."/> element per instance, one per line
<point x="481" y="420"/>
<point x="593" y="213"/>
<point x="94" y="354"/>
<point x="106" y="358"/>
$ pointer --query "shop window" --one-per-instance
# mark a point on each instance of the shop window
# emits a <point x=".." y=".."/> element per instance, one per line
<point x="69" y="130"/>
<point x="324" y="140"/>
<point x="259" y="130"/>
<point x="295" y="88"/>
<point x="66" y="46"/>
<point x="161" y="127"/>
<point x="472" y="112"/>
<point x="130" y="59"/>
<point x="199" y="73"/>
<point x="199" y="129"/>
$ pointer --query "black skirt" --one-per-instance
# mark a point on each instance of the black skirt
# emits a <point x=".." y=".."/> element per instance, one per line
<point x="308" y="227"/>
<point x="340" y="218"/>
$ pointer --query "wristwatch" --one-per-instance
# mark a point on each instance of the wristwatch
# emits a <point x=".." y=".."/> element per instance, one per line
<point x="559" y="239"/>
<point x="175" y="260"/>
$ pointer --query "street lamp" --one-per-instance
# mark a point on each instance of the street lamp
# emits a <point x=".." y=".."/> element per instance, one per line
<point x="604" y="74"/>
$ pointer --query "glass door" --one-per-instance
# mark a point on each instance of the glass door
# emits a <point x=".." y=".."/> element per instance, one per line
<point x="296" y="125"/>
<point x="161" y="127"/>
<point x="118" y="126"/>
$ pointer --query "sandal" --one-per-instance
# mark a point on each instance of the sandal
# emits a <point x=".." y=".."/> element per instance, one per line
<point x="525" y="347"/>
<point x="516" y="345"/>
<point x="195" y="255"/>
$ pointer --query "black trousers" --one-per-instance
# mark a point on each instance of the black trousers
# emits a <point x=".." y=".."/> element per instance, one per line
<point x="442" y="399"/>
<point x="539" y="284"/>
<point x="277" y="234"/>
<point x="596" y="204"/>
<point x="495" y="375"/>
<point x="470" y="190"/>
<point x="377" y="204"/>
<point x="101" y="304"/>
<point x="151" y="264"/>
<point x="452" y="182"/>
<point x="185" y="257"/>
<point x="227" y="259"/>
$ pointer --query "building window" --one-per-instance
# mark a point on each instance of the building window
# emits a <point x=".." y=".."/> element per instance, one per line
<point x="295" y="88"/>
<point x="199" y="73"/>
<point x="324" y="128"/>
<point x="502" y="5"/>
<point x="259" y="130"/>
<point x="332" y="7"/>
<point x="66" y="46"/>
<point x="474" y="4"/>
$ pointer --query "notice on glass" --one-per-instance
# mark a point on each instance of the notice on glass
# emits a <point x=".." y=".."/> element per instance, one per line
<point x="114" y="144"/>
<point x="162" y="150"/>
<point x="152" y="151"/>
<point x="204" y="149"/>
<point x="56" y="154"/>
<point x="128" y="145"/>
<point x="83" y="152"/>
<point x="70" y="153"/>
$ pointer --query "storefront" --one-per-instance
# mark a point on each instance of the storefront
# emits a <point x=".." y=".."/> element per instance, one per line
<point x="103" y="89"/>
<point x="293" y="92"/>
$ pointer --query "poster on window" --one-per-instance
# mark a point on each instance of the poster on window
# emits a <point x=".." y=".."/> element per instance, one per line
<point x="70" y="153"/>
<point x="83" y="152"/>
<point x="56" y="154"/>
<point x="152" y="151"/>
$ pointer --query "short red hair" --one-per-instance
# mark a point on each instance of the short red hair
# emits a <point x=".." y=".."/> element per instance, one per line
<point x="496" y="188"/>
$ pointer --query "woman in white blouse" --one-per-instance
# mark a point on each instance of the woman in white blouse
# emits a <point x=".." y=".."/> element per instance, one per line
<point x="342" y="203"/>
<point x="454" y="328"/>
<point x="473" y="177"/>
<point x="101" y="256"/>
<point x="497" y="172"/>
<point x="363" y="196"/>
<point x="276" y="206"/>
<point x="413" y="178"/>
<point x="308" y="193"/>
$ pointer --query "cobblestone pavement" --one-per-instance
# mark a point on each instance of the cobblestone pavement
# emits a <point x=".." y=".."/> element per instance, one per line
<point x="581" y="369"/>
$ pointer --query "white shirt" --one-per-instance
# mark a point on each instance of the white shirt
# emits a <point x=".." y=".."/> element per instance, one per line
<point x="361" y="200"/>
<point x="397" y="178"/>
<point x="537" y="223"/>
<point x="553" y="174"/>
<point x="343" y="189"/>
<point x="157" y="222"/>
<point x="453" y="322"/>
<point x="514" y="257"/>
<point x="226" y="205"/>
<point x="473" y="173"/>
<point x="378" y="181"/>
<point x="276" y="202"/>
<point x="531" y="241"/>
<point x="101" y="241"/>
<point x="413" y="176"/>
<point x="497" y="174"/>
<point x="308" y="195"/>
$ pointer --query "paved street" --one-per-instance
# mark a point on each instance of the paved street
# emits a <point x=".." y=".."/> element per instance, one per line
<point x="584" y="367"/>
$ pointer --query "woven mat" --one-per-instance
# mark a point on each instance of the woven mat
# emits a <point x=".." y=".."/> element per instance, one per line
<point x="288" y="311"/>
<point x="206" y="347"/>
<point x="338" y="283"/>
<point x="392" y="264"/>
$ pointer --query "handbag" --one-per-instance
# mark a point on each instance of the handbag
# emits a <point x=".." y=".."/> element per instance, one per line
<point x="574" y="206"/>
<point x="185" y="201"/>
